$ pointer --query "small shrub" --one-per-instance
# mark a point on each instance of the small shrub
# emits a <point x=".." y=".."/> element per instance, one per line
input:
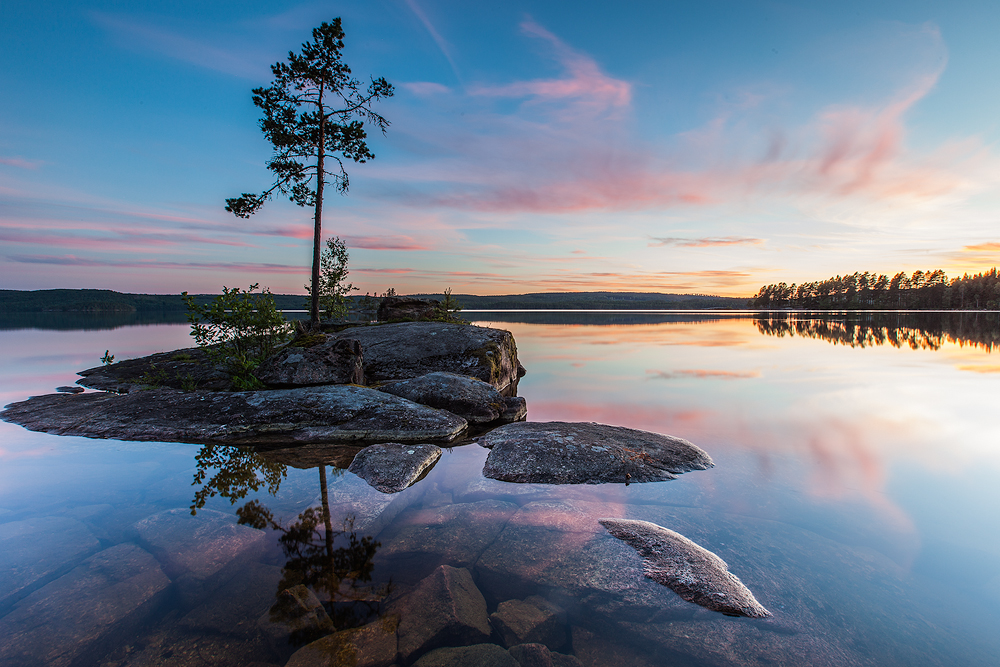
<point x="238" y="330"/>
<point x="108" y="358"/>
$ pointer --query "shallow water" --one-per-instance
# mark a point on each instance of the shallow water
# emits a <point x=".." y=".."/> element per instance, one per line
<point x="854" y="493"/>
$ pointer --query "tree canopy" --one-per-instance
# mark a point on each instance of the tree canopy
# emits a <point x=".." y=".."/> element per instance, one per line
<point x="314" y="113"/>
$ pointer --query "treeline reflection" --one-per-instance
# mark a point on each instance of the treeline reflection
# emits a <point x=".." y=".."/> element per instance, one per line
<point x="916" y="331"/>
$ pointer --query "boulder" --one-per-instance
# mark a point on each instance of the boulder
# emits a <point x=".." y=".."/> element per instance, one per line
<point x="296" y="617"/>
<point x="586" y="453"/>
<point x="371" y="645"/>
<point x="521" y="622"/>
<point x="476" y="401"/>
<point x="539" y="655"/>
<point x="445" y="609"/>
<point x="396" y="308"/>
<point x="480" y="655"/>
<point x="694" y="573"/>
<point x="69" y="390"/>
<point x="311" y="360"/>
<point x="69" y="620"/>
<point x="411" y="349"/>
<point x="329" y="414"/>
<point x="391" y="467"/>
<point x="188" y="368"/>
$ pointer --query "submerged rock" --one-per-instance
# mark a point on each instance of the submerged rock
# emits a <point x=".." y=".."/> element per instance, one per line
<point x="411" y="349"/>
<point x="476" y="401"/>
<point x="586" y="453"/>
<point x="295" y="618"/>
<point x="539" y="655"/>
<point x="391" y="467"/>
<point x="337" y="413"/>
<point x="480" y="655"/>
<point x="527" y="622"/>
<point x="445" y="609"/>
<point x="694" y="573"/>
<point x="371" y="645"/>
<point x="312" y="360"/>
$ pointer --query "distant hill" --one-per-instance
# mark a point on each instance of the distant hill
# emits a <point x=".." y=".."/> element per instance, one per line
<point x="108" y="301"/>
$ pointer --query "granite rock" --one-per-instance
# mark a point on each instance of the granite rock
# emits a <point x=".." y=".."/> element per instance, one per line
<point x="178" y="369"/>
<point x="391" y="467"/>
<point x="313" y="360"/>
<point x="329" y="414"/>
<point x="445" y="609"/>
<point x="395" y="308"/>
<point x="539" y="655"/>
<point x="480" y="655"/>
<point x="476" y="401"/>
<point x="521" y="622"/>
<point x="693" y="572"/>
<point x="586" y="453"/>
<point x="295" y="618"/>
<point x="371" y="645"/>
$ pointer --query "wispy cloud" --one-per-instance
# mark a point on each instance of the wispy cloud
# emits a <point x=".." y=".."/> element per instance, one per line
<point x="20" y="162"/>
<point x="72" y="260"/>
<point x="703" y="242"/>
<point x="702" y="374"/>
<point x="435" y="35"/>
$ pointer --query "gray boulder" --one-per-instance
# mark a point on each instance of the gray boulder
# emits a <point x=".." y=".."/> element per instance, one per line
<point x="586" y="453"/>
<point x="411" y="349"/>
<point x="445" y="609"/>
<point x="394" y="308"/>
<point x="694" y="573"/>
<point x="480" y="655"/>
<point x="311" y="360"/>
<point x="189" y="368"/>
<point x="476" y="401"/>
<point x="391" y="467"/>
<point x="296" y="617"/>
<point x="328" y="414"/>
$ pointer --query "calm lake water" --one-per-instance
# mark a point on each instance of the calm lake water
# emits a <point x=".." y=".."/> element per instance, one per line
<point x="855" y="493"/>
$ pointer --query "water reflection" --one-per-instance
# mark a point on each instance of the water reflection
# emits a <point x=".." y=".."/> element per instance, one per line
<point x="917" y="331"/>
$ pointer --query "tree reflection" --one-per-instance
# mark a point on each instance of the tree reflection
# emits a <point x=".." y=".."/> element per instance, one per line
<point x="917" y="331"/>
<point x="237" y="472"/>
<point x="336" y="564"/>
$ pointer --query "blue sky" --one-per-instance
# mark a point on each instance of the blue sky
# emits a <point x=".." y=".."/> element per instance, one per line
<point x="705" y="147"/>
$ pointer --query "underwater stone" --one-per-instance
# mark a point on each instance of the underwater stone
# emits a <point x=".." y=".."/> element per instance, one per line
<point x="521" y="622"/>
<point x="693" y="572"/>
<point x="586" y="453"/>
<point x="480" y="655"/>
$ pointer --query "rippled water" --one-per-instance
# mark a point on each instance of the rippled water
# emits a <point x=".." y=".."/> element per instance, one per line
<point x="854" y="493"/>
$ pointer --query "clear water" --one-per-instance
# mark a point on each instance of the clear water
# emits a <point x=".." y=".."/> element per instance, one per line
<point x="854" y="493"/>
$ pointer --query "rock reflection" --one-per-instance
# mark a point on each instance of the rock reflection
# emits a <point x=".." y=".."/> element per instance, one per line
<point x="917" y="331"/>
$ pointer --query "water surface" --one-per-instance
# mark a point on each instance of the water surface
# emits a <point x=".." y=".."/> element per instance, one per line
<point x="854" y="493"/>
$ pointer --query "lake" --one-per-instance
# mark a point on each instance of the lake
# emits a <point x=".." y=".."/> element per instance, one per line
<point x="854" y="493"/>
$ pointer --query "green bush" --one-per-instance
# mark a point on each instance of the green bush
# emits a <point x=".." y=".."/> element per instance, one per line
<point x="238" y="330"/>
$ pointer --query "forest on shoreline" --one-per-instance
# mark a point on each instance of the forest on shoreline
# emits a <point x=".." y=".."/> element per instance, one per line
<point x="108" y="301"/>
<point x="924" y="290"/>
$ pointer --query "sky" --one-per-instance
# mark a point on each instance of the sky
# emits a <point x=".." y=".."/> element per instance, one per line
<point x="702" y="147"/>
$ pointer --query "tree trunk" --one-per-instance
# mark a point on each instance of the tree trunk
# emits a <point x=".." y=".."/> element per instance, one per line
<point x="318" y="218"/>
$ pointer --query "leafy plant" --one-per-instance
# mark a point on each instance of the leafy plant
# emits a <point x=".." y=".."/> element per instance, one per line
<point x="108" y="358"/>
<point x="238" y="330"/>
<point x="332" y="288"/>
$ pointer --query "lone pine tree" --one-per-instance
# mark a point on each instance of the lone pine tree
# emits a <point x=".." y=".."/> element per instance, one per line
<point x="314" y="113"/>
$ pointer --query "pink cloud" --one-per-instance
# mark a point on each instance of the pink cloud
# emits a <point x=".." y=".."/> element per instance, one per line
<point x="73" y="260"/>
<point x="425" y="88"/>
<point x="20" y="162"/>
<point x="703" y="374"/>
<point x="704" y="242"/>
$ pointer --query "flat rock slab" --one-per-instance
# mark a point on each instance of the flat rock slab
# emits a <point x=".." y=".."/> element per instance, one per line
<point x="337" y="413"/>
<point x="186" y="368"/>
<point x="35" y="550"/>
<point x="693" y="572"/>
<point x="476" y="401"/>
<point x="390" y="467"/>
<point x="198" y="546"/>
<point x="312" y="360"/>
<point x="586" y="453"/>
<point x="411" y="349"/>
<point x="63" y="620"/>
